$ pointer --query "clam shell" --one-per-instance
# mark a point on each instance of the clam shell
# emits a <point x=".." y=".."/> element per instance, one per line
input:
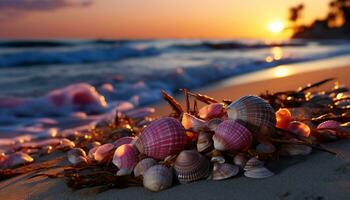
<point x="204" y="141"/>
<point x="125" y="158"/>
<point x="213" y="123"/>
<point x="191" y="166"/>
<point x="102" y="152"/>
<point x="240" y="160"/>
<point x="255" y="113"/>
<point x="253" y="163"/>
<point x="232" y="136"/>
<point x="258" y="172"/>
<point x="323" y="134"/>
<point x="299" y="128"/>
<point x="65" y="144"/>
<point x="163" y="137"/>
<point x="224" y="171"/>
<point x="191" y="122"/>
<point x="213" y="110"/>
<point x="123" y="140"/>
<point x="157" y="178"/>
<point x="76" y="156"/>
<point x="294" y="150"/>
<point x="18" y="158"/>
<point x="329" y="124"/>
<point x="143" y="166"/>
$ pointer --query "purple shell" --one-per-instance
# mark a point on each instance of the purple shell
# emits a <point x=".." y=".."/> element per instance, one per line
<point x="213" y="110"/>
<point x="161" y="138"/>
<point x="123" y="140"/>
<point x="329" y="124"/>
<point x="125" y="157"/>
<point x="232" y="136"/>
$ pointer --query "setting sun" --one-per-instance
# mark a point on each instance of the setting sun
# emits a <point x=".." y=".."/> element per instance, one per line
<point x="276" y="27"/>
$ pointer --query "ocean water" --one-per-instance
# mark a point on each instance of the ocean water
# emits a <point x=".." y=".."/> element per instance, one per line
<point x="96" y="76"/>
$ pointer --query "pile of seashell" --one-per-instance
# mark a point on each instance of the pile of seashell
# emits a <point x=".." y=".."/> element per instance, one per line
<point x="220" y="140"/>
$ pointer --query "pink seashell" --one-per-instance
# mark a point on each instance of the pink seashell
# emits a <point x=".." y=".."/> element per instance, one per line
<point x="161" y="138"/>
<point x="123" y="140"/>
<point x="329" y="124"/>
<point x="102" y="152"/>
<point x="125" y="158"/>
<point x="299" y="128"/>
<point x="213" y="110"/>
<point x="191" y="122"/>
<point x="232" y="136"/>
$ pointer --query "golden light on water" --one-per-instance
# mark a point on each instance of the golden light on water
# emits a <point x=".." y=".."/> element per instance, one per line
<point x="276" y="27"/>
<point x="281" y="71"/>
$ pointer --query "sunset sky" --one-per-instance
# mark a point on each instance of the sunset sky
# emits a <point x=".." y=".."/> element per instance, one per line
<point x="148" y="18"/>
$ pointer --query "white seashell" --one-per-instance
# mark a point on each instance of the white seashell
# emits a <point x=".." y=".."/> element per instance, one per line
<point x="143" y="166"/>
<point x="258" y="172"/>
<point x="253" y="163"/>
<point x="223" y="171"/>
<point x="217" y="159"/>
<point x="157" y="178"/>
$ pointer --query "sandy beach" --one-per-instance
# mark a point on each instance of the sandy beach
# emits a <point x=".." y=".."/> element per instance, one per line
<point x="319" y="176"/>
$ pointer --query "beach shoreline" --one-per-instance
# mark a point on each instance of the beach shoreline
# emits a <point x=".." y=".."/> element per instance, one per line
<point x="318" y="176"/>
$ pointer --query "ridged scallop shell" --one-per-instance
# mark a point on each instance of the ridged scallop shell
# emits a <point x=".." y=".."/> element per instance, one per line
<point x="329" y="124"/>
<point x="240" y="160"/>
<point x="162" y="137"/>
<point x="224" y="171"/>
<point x="258" y="172"/>
<point x="125" y="158"/>
<point x="102" y="152"/>
<point x="157" y="178"/>
<point x="18" y="158"/>
<point x="204" y="141"/>
<point x="299" y="128"/>
<point x="143" y="166"/>
<point x="213" y="110"/>
<point x="232" y="136"/>
<point x="191" y="166"/>
<point x="254" y="112"/>
<point x="76" y="156"/>
<point x="253" y="163"/>
<point x="191" y="122"/>
<point x="123" y="140"/>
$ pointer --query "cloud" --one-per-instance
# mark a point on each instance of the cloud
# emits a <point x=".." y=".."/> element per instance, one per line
<point x="20" y="6"/>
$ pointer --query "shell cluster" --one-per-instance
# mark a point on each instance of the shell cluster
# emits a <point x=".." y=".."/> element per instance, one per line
<point x="218" y="141"/>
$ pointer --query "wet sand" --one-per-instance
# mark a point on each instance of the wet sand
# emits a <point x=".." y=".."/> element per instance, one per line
<point x="318" y="176"/>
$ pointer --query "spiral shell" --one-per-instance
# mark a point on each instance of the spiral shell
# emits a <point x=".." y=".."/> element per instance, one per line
<point x="224" y="171"/>
<point x="255" y="113"/>
<point x="125" y="158"/>
<point x="232" y="136"/>
<point x="191" y="166"/>
<point x="204" y="141"/>
<point x="163" y="137"/>
<point x="157" y="178"/>
<point x="143" y="166"/>
<point x="213" y="110"/>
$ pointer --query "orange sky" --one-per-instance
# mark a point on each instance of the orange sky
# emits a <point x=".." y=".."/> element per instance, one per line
<point x="159" y="19"/>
